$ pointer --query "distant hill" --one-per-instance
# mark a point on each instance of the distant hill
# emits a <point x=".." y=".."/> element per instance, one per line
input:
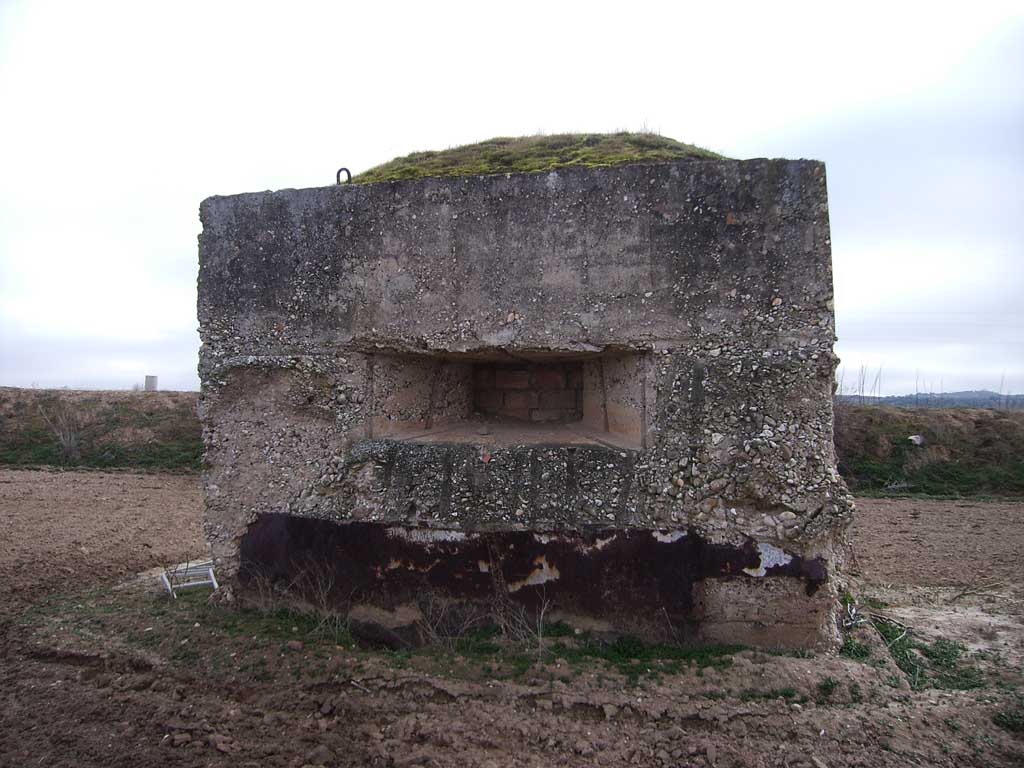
<point x="970" y="399"/>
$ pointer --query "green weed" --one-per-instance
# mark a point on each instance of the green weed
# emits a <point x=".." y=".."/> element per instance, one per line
<point x="938" y="665"/>
<point x="1010" y="719"/>
<point x="853" y="649"/>
<point x="634" y="659"/>
<point x="826" y="688"/>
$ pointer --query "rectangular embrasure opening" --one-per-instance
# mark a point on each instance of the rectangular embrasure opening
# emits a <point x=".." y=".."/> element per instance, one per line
<point x="541" y="393"/>
<point x="505" y="400"/>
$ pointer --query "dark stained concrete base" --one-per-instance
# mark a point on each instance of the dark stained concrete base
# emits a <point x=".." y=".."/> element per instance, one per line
<point x="655" y="584"/>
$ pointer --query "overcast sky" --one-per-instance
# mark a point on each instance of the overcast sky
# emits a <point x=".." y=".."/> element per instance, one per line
<point x="119" y="118"/>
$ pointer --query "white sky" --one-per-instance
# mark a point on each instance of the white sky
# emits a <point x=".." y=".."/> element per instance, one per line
<point x="119" y="118"/>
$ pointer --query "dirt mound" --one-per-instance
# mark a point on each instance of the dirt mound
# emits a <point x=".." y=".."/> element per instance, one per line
<point x="964" y="451"/>
<point x="151" y="430"/>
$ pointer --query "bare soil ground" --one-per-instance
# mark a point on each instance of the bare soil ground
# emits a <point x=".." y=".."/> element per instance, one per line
<point x="93" y="674"/>
<point x="929" y="543"/>
<point x="64" y="529"/>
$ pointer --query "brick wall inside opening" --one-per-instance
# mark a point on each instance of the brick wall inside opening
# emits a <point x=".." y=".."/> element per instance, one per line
<point x="537" y="392"/>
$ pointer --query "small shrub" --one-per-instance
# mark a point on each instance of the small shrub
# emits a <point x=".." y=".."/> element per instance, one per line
<point x="1010" y="719"/>
<point x="960" y="679"/>
<point x="901" y="647"/>
<point x="853" y="649"/>
<point x="558" y="629"/>
<point x="874" y="603"/>
<point x="943" y="668"/>
<point x="826" y="688"/>
<point x="944" y="656"/>
<point x="943" y="653"/>
<point x="478" y="643"/>
<point x="66" y="427"/>
<point x="633" y="658"/>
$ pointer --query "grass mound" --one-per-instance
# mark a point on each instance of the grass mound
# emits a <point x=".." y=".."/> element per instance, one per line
<point x="967" y="451"/>
<point x="530" y="154"/>
<point x="100" y="430"/>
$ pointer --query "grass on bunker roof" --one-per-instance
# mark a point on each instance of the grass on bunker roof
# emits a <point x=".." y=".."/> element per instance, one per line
<point x="530" y="154"/>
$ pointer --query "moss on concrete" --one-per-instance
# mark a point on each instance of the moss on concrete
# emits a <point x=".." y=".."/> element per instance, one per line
<point x="530" y="154"/>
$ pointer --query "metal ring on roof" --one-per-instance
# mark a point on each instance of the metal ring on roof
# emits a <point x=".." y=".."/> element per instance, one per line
<point x="348" y="180"/>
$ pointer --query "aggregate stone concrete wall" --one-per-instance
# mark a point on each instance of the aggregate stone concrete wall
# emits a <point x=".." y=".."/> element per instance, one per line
<point x="341" y="327"/>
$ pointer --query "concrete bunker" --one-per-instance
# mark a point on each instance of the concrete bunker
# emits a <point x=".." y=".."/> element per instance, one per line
<point x="606" y="389"/>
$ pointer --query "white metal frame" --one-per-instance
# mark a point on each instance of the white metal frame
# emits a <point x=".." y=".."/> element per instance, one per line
<point x="188" y="575"/>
